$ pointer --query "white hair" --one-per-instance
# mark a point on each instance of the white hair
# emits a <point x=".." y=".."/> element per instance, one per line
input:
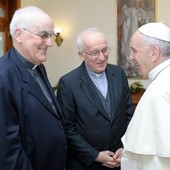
<point x="26" y="17"/>
<point x="80" y="40"/>
<point x="164" y="46"/>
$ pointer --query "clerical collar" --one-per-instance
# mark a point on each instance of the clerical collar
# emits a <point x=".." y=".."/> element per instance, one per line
<point x="27" y="63"/>
<point x="159" y="68"/>
<point x="95" y="75"/>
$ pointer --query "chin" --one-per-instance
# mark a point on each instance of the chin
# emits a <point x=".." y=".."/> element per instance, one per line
<point x="142" y="75"/>
<point x="43" y="58"/>
<point x="100" y="71"/>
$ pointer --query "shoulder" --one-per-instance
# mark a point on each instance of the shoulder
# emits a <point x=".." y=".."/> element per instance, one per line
<point x="115" y="68"/>
<point x="4" y="60"/>
<point x="6" y="65"/>
<point x="116" y="72"/>
<point x="73" y="74"/>
<point x="9" y="61"/>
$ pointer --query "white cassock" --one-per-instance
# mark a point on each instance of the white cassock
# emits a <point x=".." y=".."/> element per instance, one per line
<point x="147" y="139"/>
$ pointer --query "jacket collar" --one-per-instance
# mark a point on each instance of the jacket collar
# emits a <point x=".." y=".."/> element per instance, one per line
<point x="30" y="83"/>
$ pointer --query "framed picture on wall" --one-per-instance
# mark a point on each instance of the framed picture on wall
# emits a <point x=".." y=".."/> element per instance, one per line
<point x="131" y="14"/>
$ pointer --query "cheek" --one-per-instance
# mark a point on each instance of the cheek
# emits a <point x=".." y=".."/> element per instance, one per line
<point x="91" y="63"/>
<point x="138" y="58"/>
<point x="145" y="65"/>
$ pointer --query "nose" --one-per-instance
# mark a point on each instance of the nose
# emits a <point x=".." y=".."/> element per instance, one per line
<point x="49" y="42"/>
<point x="102" y="56"/>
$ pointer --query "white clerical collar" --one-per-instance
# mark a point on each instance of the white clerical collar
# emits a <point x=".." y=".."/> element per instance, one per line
<point x="34" y="67"/>
<point x="153" y="73"/>
<point x="93" y="74"/>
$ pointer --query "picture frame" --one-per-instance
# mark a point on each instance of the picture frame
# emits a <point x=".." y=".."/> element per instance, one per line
<point x="131" y="14"/>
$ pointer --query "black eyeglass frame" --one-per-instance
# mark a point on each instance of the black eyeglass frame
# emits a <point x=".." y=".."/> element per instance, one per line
<point x="96" y="53"/>
<point x="43" y="35"/>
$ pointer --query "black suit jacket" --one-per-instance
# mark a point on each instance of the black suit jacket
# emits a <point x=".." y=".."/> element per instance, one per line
<point x="88" y="128"/>
<point x="31" y="134"/>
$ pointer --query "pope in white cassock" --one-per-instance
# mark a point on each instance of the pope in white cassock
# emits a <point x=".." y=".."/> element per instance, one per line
<point x="147" y="139"/>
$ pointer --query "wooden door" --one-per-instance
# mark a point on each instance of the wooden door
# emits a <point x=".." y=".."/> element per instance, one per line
<point x="7" y="8"/>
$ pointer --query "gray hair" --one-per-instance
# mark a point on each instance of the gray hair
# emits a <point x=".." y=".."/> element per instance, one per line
<point x="26" y="17"/>
<point x="164" y="46"/>
<point x="80" y="40"/>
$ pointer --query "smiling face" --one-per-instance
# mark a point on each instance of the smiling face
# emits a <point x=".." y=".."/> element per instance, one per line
<point x="95" y="41"/>
<point x="142" y="54"/>
<point x="32" y="46"/>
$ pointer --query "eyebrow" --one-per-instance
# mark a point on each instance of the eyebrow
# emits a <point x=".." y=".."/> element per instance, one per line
<point x="46" y="32"/>
<point x="100" y="49"/>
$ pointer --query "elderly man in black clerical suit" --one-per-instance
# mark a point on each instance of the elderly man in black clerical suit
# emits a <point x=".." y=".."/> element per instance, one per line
<point x="97" y="106"/>
<point x="31" y="133"/>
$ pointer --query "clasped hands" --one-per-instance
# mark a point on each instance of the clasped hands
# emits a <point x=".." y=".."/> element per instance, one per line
<point x="110" y="159"/>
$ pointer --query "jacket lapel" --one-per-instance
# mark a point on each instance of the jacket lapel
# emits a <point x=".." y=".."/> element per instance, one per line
<point x="36" y="91"/>
<point x="112" y="87"/>
<point x="31" y="84"/>
<point x="43" y="72"/>
<point x="88" y="88"/>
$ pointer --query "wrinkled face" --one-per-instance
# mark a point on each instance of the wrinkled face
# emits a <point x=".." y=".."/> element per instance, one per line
<point x="141" y="54"/>
<point x="33" y="42"/>
<point x="96" y="53"/>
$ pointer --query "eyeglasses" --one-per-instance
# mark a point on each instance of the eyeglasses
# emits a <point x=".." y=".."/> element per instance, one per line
<point x="43" y="35"/>
<point x="96" y="53"/>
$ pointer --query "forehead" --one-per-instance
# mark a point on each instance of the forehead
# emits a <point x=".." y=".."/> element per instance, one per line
<point x="95" y="39"/>
<point x="45" y="26"/>
<point x="137" y="38"/>
<point x="93" y="36"/>
<point x="139" y="43"/>
<point x="41" y="21"/>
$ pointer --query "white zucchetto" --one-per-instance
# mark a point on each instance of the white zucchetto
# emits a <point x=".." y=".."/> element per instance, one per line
<point x="156" y="30"/>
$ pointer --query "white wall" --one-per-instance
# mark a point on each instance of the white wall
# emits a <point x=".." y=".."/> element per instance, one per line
<point x="73" y="16"/>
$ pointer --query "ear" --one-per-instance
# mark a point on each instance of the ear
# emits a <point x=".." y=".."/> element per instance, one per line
<point x="81" y="55"/>
<point x="18" y="35"/>
<point x="156" y="53"/>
